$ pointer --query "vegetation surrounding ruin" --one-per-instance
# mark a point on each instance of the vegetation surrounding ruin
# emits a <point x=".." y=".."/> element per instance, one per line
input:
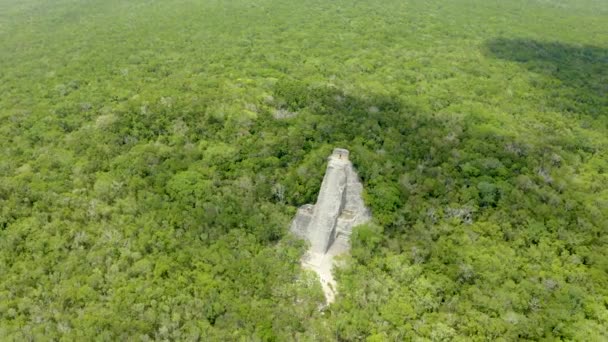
<point x="153" y="153"/>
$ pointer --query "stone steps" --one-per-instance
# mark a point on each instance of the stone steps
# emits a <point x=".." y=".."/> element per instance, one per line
<point x="328" y="224"/>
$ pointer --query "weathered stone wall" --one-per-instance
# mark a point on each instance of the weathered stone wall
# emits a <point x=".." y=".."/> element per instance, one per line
<point x="300" y="223"/>
<point x="328" y="224"/>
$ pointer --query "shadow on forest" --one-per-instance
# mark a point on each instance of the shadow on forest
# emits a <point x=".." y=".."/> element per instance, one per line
<point x="582" y="70"/>
<point x="374" y="127"/>
<point x="388" y="136"/>
<point x="337" y="118"/>
<point x="418" y="169"/>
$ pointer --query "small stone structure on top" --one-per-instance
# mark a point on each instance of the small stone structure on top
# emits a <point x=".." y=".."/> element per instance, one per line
<point x="328" y="224"/>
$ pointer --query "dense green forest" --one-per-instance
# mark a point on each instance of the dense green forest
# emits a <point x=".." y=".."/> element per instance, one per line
<point x="153" y="153"/>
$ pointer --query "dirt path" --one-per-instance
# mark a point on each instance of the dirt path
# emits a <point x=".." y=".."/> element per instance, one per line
<point x="322" y="265"/>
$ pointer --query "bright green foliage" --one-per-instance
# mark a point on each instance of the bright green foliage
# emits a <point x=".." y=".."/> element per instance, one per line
<point x="153" y="153"/>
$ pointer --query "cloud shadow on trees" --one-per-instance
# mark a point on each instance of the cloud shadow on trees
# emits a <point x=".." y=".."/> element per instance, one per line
<point x="376" y="128"/>
<point x="582" y="71"/>
<point x="401" y="151"/>
<point x="417" y="166"/>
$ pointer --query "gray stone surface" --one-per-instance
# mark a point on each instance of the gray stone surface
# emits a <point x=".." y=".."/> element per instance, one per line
<point x="328" y="224"/>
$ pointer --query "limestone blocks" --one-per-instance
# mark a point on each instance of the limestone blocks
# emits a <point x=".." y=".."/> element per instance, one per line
<point x="328" y="224"/>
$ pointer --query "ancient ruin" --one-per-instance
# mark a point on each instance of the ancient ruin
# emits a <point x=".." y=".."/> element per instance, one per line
<point x="328" y="224"/>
